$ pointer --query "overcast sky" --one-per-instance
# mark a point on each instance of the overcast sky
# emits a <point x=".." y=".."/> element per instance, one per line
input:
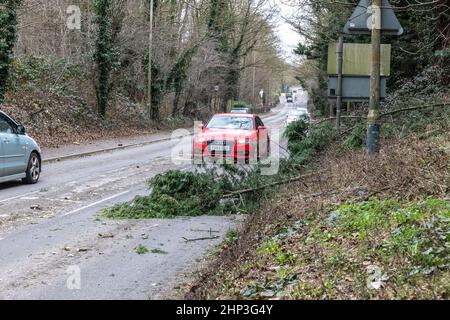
<point x="288" y="36"/>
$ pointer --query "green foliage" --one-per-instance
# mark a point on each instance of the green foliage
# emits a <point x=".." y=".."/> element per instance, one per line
<point x="141" y="249"/>
<point x="8" y="37"/>
<point x="106" y="54"/>
<point x="238" y="104"/>
<point x="158" y="251"/>
<point x="305" y="141"/>
<point x="175" y="193"/>
<point x="407" y="242"/>
<point x="178" y="76"/>
<point x="356" y="139"/>
<point x="426" y="88"/>
<point x="419" y="231"/>
<point x="298" y="130"/>
<point x="49" y="73"/>
<point x="220" y="23"/>
<point x="231" y="237"/>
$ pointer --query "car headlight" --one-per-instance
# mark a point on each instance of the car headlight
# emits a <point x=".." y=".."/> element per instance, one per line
<point x="243" y="140"/>
<point x="200" y="140"/>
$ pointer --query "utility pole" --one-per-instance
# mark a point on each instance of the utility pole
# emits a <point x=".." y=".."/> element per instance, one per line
<point x="340" y="62"/>
<point x="373" y="119"/>
<point x="254" y="75"/>
<point x="150" y="55"/>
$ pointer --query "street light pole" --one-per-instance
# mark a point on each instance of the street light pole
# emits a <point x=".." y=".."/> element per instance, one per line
<point x="254" y="75"/>
<point x="150" y="54"/>
<point x="373" y="124"/>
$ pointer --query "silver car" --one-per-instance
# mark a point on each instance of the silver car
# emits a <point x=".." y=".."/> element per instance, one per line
<point x="295" y="115"/>
<point x="20" y="155"/>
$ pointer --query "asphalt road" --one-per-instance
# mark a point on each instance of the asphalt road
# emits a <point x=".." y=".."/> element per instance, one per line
<point x="50" y="246"/>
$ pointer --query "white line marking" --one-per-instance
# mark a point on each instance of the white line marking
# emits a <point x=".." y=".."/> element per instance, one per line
<point x="16" y="197"/>
<point x="96" y="203"/>
<point x="62" y="200"/>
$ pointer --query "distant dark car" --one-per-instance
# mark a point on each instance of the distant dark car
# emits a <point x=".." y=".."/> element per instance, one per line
<point x="289" y="100"/>
<point x="242" y="110"/>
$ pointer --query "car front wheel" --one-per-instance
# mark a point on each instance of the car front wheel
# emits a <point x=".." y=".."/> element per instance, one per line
<point x="33" y="170"/>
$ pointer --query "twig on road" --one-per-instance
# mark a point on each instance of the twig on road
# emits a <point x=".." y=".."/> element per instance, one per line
<point x="200" y="239"/>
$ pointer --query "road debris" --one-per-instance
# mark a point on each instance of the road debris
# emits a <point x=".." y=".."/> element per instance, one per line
<point x="200" y="239"/>
<point x="105" y="235"/>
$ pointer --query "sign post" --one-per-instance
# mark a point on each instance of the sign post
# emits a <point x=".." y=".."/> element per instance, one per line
<point x="375" y="19"/>
<point x="340" y="63"/>
<point x="373" y="119"/>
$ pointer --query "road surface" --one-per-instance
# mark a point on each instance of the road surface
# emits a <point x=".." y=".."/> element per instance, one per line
<point x="53" y="246"/>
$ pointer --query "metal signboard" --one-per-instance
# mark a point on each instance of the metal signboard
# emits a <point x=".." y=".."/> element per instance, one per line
<point x="354" y="88"/>
<point x="357" y="59"/>
<point x="361" y="20"/>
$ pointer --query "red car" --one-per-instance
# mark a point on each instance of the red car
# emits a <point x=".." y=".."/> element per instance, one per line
<point x="232" y="137"/>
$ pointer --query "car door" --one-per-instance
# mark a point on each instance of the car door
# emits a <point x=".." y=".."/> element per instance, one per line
<point x="263" y="136"/>
<point x="13" y="149"/>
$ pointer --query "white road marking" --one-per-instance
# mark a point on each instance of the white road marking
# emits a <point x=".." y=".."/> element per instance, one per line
<point x="62" y="200"/>
<point x="20" y="196"/>
<point x="96" y="203"/>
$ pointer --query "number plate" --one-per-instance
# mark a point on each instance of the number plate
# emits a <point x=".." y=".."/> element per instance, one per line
<point x="219" y="148"/>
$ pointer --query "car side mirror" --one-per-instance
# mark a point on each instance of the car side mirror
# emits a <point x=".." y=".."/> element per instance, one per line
<point x="21" y="129"/>
<point x="201" y="126"/>
<point x="261" y="128"/>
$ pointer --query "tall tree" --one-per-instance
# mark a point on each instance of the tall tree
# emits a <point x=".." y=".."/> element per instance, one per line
<point x="109" y="18"/>
<point x="8" y="37"/>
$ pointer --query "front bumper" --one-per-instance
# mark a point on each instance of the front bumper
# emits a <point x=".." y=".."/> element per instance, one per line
<point x="225" y="149"/>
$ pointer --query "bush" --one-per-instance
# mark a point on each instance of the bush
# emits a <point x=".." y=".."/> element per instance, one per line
<point x="238" y="104"/>
<point x="305" y="141"/>
<point x="52" y="73"/>
<point x="356" y="138"/>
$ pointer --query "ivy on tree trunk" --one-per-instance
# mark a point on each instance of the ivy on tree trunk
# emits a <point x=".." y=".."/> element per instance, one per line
<point x="8" y="37"/>
<point x="105" y="54"/>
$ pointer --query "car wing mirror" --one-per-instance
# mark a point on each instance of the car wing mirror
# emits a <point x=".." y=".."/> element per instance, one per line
<point x="21" y="129"/>
<point x="261" y="128"/>
<point x="202" y="127"/>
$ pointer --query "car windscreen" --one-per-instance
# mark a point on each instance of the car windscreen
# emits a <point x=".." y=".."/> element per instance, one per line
<point x="229" y="122"/>
<point x="296" y="113"/>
